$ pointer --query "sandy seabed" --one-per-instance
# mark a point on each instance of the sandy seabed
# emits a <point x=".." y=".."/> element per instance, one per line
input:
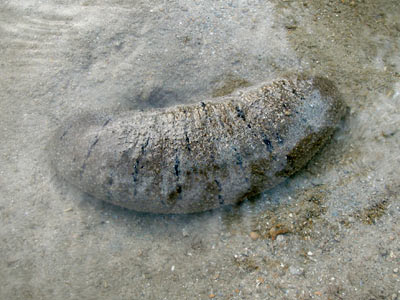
<point x="330" y="232"/>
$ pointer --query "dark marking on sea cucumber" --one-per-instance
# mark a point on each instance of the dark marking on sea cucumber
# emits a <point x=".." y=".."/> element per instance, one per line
<point x="137" y="167"/>
<point x="176" y="166"/>
<point x="218" y="185"/>
<point x="65" y="132"/>
<point x="135" y="176"/>
<point x="94" y="144"/>
<point x="106" y="122"/>
<point x="136" y="170"/>
<point x="145" y="145"/>
<point x="187" y="142"/>
<point x="240" y="113"/>
<point x="220" y="198"/>
<point x="174" y="196"/>
<point x="268" y="143"/>
<point x="279" y="138"/>
<point x="239" y="159"/>
<point x="88" y="155"/>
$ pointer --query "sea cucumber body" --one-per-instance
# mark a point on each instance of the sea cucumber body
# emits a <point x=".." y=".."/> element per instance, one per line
<point x="198" y="157"/>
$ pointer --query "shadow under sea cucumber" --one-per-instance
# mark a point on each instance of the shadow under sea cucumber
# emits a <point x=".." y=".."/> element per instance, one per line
<point x="191" y="158"/>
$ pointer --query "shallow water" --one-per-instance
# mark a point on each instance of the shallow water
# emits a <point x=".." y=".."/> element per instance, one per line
<point x="340" y="214"/>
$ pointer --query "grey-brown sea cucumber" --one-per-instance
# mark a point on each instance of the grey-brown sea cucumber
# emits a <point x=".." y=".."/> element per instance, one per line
<point x="192" y="158"/>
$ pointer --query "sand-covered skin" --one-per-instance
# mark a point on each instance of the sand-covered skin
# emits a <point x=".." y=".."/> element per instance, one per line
<point x="198" y="157"/>
<point x="329" y="232"/>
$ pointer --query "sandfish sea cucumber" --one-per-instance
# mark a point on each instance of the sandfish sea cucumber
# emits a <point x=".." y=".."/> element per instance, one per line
<point x="192" y="158"/>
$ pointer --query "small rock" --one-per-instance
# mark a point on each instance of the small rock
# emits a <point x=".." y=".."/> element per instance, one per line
<point x="254" y="235"/>
<point x="317" y="181"/>
<point x="259" y="281"/>
<point x="280" y="238"/>
<point x="295" y="271"/>
<point x="389" y="132"/>
<point x="275" y="231"/>
<point x="185" y="233"/>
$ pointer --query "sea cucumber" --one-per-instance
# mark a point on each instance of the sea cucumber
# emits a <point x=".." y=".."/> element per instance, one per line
<point x="197" y="157"/>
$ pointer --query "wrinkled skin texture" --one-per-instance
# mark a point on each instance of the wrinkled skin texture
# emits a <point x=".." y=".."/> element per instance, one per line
<point x="197" y="157"/>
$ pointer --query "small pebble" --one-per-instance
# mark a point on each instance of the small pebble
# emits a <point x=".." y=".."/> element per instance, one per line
<point x="317" y="181"/>
<point x="295" y="271"/>
<point x="274" y="232"/>
<point x="396" y="270"/>
<point x="254" y="235"/>
<point x="259" y="281"/>
<point x="389" y="132"/>
<point x="185" y="233"/>
<point x="280" y="238"/>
